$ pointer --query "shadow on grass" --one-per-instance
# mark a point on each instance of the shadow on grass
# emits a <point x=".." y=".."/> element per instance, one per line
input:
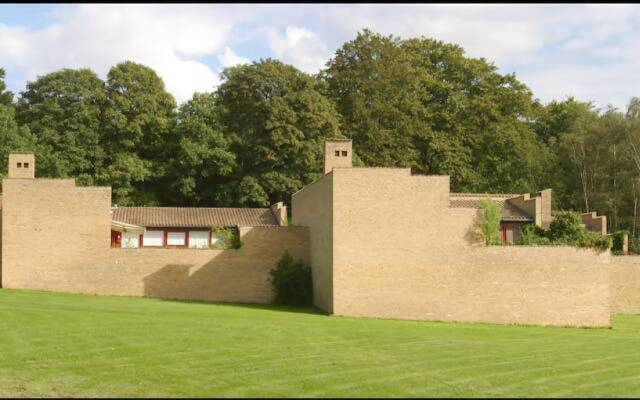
<point x="266" y="307"/>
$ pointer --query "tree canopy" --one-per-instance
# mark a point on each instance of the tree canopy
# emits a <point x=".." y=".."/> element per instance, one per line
<point x="275" y="119"/>
<point x="258" y="137"/>
<point x="421" y="103"/>
<point x="63" y="110"/>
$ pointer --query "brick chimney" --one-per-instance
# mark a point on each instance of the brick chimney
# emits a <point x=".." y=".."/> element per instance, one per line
<point x="279" y="210"/>
<point x="545" y="200"/>
<point x="22" y="165"/>
<point x="337" y="153"/>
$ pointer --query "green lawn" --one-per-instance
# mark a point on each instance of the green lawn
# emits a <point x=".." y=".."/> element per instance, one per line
<point x="75" y="345"/>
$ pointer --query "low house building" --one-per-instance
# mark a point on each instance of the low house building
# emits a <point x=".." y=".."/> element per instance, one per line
<point x="384" y="242"/>
<point x="186" y="227"/>
<point x="381" y="242"/>
<point x="517" y="209"/>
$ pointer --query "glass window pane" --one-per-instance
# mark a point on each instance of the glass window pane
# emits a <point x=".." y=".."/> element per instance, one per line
<point x="176" y="238"/>
<point x="130" y="239"/>
<point x="198" y="239"/>
<point x="153" y="238"/>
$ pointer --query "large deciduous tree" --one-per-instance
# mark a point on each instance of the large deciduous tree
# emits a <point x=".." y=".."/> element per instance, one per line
<point x="12" y="136"/>
<point x="203" y="160"/>
<point x="6" y="97"/>
<point x="139" y="124"/>
<point x="63" y="110"/>
<point x="275" y="119"/>
<point x="421" y="103"/>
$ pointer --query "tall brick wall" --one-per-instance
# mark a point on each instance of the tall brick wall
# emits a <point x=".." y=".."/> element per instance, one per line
<point x="594" y="222"/>
<point x="313" y="207"/>
<point x="545" y="208"/>
<point x="625" y="284"/>
<point x="56" y="238"/>
<point x="399" y="251"/>
<point x="532" y="206"/>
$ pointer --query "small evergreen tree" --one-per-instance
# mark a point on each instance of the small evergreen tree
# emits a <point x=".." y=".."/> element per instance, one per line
<point x="292" y="282"/>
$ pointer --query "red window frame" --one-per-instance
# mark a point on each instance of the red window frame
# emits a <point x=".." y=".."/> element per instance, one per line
<point x="165" y="237"/>
<point x="116" y="239"/>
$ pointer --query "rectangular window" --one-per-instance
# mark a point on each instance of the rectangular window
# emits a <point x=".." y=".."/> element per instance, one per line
<point x="198" y="239"/>
<point x="153" y="239"/>
<point x="19" y="165"/>
<point x="337" y="153"/>
<point x="26" y="165"/>
<point x="130" y="240"/>
<point x="176" y="238"/>
<point x="344" y="153"/>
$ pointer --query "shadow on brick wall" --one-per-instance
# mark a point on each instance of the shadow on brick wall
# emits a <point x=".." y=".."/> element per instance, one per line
<point x="235" y="275"/>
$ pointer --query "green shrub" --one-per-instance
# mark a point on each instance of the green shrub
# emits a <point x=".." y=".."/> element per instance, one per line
<point x="634" y="245"/>
<point x="229" y="238"/>
<point x="491" y="216"/>
<point x="594" y="240"/>
<point x="291" y="282"/>
<point x="618" y="240"/>
<point x="566" y="227"/>
<point x="532" y="235"/>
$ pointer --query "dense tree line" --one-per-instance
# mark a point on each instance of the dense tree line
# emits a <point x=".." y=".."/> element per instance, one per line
<point x="257" y="138"/>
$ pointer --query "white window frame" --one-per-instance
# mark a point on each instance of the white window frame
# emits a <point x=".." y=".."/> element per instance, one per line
<point x="147" y="237"/>
<point x="198" y="239"/>
<point x="173" y="238"/>
<point x="130" y="240"/>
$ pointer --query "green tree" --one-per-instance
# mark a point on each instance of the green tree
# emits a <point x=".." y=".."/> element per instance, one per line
<point x="632" y="142"/>
<point x="203" y="160"/>
<point x="63" y="110"/>
<point x="6" y="97"/>
<point x="139" y="134"/>
<point x="421" y="103"/>
<point x="12" y="137"/>
<point x="491" y="216"/>
<point x="275" y="120"/>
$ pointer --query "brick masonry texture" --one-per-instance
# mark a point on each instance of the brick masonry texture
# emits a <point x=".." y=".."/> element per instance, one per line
<point x="625" y="284"/>
<point x="400" y="251"/>
<point x="55" y="237"/>
<point x="381" y="243"/>
<point x="313" y="207"/>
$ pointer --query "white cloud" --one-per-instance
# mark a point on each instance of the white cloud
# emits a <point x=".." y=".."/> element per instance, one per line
<point x="228" y="58"/>
<point x="299" y="47"/>
<point x="169" y="39"/>
<point x="591" y="51"/>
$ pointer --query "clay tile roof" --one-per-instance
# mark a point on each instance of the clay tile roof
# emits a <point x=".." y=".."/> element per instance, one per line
<point x="194" y="216"/>
<point x="472" y="200"/>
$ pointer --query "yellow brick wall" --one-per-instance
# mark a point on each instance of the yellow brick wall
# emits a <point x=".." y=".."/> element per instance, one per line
<point x="625" y="284"/>
<point x="313" y="207"/>
<point x="399" y="251"/>
<point x="56" y="237"/>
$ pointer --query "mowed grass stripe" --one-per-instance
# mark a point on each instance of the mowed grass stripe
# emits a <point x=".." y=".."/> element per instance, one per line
<point x="75" y="345"/>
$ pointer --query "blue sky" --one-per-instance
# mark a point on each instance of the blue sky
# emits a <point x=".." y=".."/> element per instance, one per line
<point x="589" y="51"/>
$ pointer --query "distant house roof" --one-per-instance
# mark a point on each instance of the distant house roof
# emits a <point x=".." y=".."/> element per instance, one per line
<point x="186" y="217"/>
<point x="510" y="213"/>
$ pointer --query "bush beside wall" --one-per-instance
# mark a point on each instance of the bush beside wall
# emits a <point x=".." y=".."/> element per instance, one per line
<point x="291" y="282"/>
<point x="491" y="217"/>
<point x="565" y="229"/>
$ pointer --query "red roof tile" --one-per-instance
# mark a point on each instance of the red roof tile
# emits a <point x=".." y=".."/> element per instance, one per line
<point x="194" y="216"/>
